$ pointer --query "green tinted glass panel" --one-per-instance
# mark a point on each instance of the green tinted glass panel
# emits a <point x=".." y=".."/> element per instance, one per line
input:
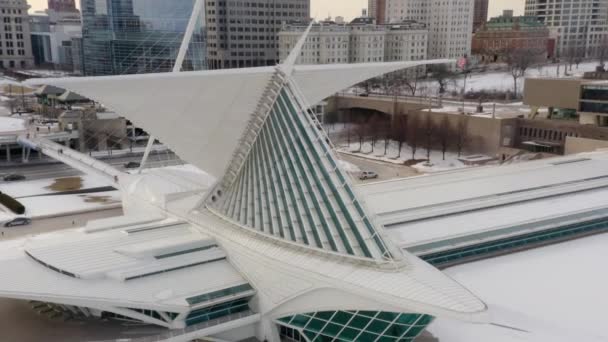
<point x="348" y="334"/>
<point x="315" y="325"/>
<point x="378" y="326"/>
<point x="342" y="317"/>
<point x="348" y="326"/>
<point x="359" y="322"/>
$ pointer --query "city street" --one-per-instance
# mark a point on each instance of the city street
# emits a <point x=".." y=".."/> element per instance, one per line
<point x="385" y="171"/>
<point x="37" y="170"/>
<point x="56" y="223"/>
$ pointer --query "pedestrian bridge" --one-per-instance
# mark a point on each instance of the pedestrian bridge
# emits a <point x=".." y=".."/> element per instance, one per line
<point x="71" y="157"/>
<point x="390" y="105"/>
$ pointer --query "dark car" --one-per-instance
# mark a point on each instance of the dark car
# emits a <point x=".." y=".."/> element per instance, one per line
<point x="132" y="165"/>
<point x="20" y="221"/>
<point x="13" y="178"/>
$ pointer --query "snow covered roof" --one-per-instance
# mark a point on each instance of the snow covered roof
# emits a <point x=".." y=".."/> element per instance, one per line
<point x="156" y="265"/>
<point x="436" y="207"/>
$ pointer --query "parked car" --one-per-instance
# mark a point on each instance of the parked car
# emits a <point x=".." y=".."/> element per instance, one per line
<point x="132" y="165"/>
<point x="368" y="175"/>
<point x="20" y="221"/>
<point x="364" y="94"/>
<point x="13" y="178"/>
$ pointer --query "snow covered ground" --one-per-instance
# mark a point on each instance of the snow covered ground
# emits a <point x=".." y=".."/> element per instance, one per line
<point x="49" y="186"/>
<point x="437" y="163"/>
<point x="496" y="80"/>
<point x="37" y="196"/>
<point x="550" y="294"/>
<point x="44" y="206"/>
<point x="11" y="125"/>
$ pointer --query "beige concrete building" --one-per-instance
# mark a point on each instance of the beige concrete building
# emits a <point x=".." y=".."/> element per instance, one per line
<point x="361" y="41"/>
<point x="575" y="99"/>
<point x="98" y="131"/>
<point x="581" y="145"/>
<point x="15" y="36"/>
<point x="450" y="23"/>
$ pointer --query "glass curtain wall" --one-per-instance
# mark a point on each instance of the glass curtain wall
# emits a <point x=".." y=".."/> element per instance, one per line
<point x="138" y="36"/>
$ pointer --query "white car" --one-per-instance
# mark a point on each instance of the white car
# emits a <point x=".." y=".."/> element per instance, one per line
<point x="368" y="175"/>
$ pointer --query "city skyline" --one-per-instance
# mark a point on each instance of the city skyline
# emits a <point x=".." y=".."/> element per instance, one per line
<point x="350" y="8"/>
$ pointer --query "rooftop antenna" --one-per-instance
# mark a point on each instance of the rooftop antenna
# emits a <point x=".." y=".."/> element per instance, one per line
<point x="197" y="12"/>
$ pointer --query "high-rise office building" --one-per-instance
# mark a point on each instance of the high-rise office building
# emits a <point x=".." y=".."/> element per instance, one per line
<point x="245" y="34"/>
<point x="377" y="10"/>
<point x="450" y="23"/>
<point x="480" y="15"/>
<point x="138" y="36"/>
<point x="580" y="26"/>
<point x="62" y="5"/>
<point x="15" y="39"/>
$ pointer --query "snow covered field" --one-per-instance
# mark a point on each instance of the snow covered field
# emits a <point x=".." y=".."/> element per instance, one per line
<point x="10" y="125"/>
<point x="496" y="80"/>
<point x="551" y="294"/>
<point x="437" y="163"/>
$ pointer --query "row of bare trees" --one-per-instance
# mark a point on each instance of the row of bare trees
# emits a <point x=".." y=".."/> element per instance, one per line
<point x="418" y="131"/>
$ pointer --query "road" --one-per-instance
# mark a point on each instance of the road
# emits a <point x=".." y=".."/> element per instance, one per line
<point x="57" y="223"/>
<point x="385" y="171"/>
<point x="36" y="171"/>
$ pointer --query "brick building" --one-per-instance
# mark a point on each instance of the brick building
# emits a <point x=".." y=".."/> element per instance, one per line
<point x="508" y="33"/>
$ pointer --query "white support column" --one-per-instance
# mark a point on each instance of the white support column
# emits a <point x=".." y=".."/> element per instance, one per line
<point x="197" y="13"/>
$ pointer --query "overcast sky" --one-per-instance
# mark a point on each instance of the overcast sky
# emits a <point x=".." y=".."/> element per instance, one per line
<point x="352" y="8"/>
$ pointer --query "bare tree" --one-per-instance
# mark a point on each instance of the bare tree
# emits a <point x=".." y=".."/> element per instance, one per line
<point x="410" y="81"/>
<point x="519" y="61"/>
<point x="400" y="130"/>
<point x="444" y="133"/>
<point x="442" y="75"/>
<point x="374" y="128"/>
<point x="360" y="131"/>
<point x="413" y="135"/>
<point x="461" y="134"/>
<point x="387" y="135"/>
<point x="429" y="130"/>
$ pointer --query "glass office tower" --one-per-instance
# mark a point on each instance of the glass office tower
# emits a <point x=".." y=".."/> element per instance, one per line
<point x="138" y="36"/>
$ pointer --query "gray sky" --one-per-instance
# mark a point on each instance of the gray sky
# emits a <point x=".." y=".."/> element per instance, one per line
<point x="352" y="8"/>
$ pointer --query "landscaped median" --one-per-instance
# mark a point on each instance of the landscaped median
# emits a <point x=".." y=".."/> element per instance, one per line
<point x="12" y="204"/>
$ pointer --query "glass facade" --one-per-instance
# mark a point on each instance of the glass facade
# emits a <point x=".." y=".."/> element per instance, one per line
<point x="217" y="311"/>
<point x="138" y="36"/>
<point x="354" y="326"/>
<point x="291" y="187"/>
<point x="454" y="256"/>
